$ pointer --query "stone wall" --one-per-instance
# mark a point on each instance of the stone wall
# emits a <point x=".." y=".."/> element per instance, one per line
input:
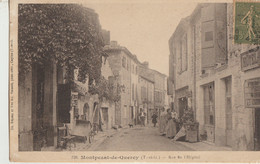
<point x="25" y="135"/>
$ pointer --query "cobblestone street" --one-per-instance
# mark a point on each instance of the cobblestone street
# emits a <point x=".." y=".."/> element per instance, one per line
<point x="131" y="139"/>
<point x="140" y="139"/>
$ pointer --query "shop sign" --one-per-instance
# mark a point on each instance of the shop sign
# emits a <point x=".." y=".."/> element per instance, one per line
<point x="252" y="93"/>
<point x="250" y="59"/>
<point x="74" y="99"/>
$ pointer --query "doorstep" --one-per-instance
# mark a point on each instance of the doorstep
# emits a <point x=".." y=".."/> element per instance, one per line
<point x="204" y="146"/>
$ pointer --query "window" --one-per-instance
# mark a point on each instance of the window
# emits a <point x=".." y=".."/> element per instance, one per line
<point x="136" y="70"/>
<point x="111" y="83"/>
<point x="151" y="95"/>
<point x="180" y="58"/>
<point x="209" y="104"/>
<point x="209" y="36"/>
<point x="158" y="96"/>
<point x="133" y="69"/>
<point x="127" y="65"/>
<point x="124" y="62"/>
<point x="185" y="53"/>
<point x="133" y="91"/>
<point x="143" y="94"/>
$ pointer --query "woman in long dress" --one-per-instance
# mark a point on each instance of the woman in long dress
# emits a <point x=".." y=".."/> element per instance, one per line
<point x="162" y="122"/>
<point x="171" y="124"/>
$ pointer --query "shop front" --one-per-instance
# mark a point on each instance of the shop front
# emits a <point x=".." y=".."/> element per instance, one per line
<point x="252" y="100"/>
<point x="183" y="100"/>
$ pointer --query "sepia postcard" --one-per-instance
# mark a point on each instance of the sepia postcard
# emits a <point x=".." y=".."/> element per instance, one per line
<point x="134" y="81"/>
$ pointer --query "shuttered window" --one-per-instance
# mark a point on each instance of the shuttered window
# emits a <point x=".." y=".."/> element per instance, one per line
<point x="124" y="62"/>
<point x="143" y="94"/>
<point x="209" y="36"/>
<point x="133" y="91"/>
<point x="185" y="53"/>
<point x="209" y="104"/>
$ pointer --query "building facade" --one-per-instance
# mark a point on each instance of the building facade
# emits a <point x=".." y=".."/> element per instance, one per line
<point x="160" y="91"/>
<point x="181" y="70"/>
<point x="124" y="66"/>
<point x="145" y="92"/>
<point x="223" y="77"/>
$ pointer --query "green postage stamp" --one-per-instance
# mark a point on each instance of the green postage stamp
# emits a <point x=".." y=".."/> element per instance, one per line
<point x="247" y="22"/>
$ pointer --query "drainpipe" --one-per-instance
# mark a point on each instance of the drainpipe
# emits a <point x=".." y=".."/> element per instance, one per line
<point x="194" y="64"/>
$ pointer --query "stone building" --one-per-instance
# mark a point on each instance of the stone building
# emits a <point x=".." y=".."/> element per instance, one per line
<point x="108" y="106"/>
<point x="160" y="91"/>
<point x="180" y="67"/>
<point x="244" y="73"/>
<point x="222" y="80"/>
<point x="124" y="66"/>
<point x="145" y="91"/>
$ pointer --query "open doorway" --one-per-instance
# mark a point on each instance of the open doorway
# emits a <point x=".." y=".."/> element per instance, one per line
<point x="39" y="128"/>
<point x="105" y="117"/>
<point x="183" y="105"/>
<point x="257" y="129"/>
<point x="132" y="114"/>
<point x="228" y="106"/>
<point x="209" y="111"/>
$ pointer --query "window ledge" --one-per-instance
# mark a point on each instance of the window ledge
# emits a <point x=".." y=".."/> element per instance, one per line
<point x="182" y="72"/>
<point x="204" y="75"/>
<point x="221" y="68"/>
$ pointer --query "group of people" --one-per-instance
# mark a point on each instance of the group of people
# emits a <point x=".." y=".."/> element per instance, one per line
<point x="168" y="123"/>
<point x="142" y="116"/>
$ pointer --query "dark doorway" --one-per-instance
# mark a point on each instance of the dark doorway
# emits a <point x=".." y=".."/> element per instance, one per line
<point x="118" y="113"/>
<point x="63" y="103"/>
<point x="132" y="114"/>
<point x="105" y="117"/>
<point x="257" y="129"/>
<point x="39" y="130"/>
<point x="209" y="111"/>
<point x="183" y="105"/>
<point x="228" y="104"/>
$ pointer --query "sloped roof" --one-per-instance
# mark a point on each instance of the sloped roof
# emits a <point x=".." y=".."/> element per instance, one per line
<point x="146" y="73"/>
<point x="109" y="48"/>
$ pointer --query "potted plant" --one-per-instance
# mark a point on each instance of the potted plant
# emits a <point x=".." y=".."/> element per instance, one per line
<point x="191" y="126"/>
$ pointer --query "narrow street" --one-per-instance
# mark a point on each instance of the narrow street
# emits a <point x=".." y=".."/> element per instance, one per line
<point x="139" y="139"/>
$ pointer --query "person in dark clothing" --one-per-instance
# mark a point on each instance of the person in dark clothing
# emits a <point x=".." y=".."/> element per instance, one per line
<point x="154" y="119"/>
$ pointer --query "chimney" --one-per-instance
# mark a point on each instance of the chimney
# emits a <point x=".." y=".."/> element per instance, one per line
<point x="146" y="64"/>
<point x="106" y="36"/>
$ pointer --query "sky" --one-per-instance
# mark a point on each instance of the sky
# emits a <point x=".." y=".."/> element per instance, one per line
<point x="143" y="27"/>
